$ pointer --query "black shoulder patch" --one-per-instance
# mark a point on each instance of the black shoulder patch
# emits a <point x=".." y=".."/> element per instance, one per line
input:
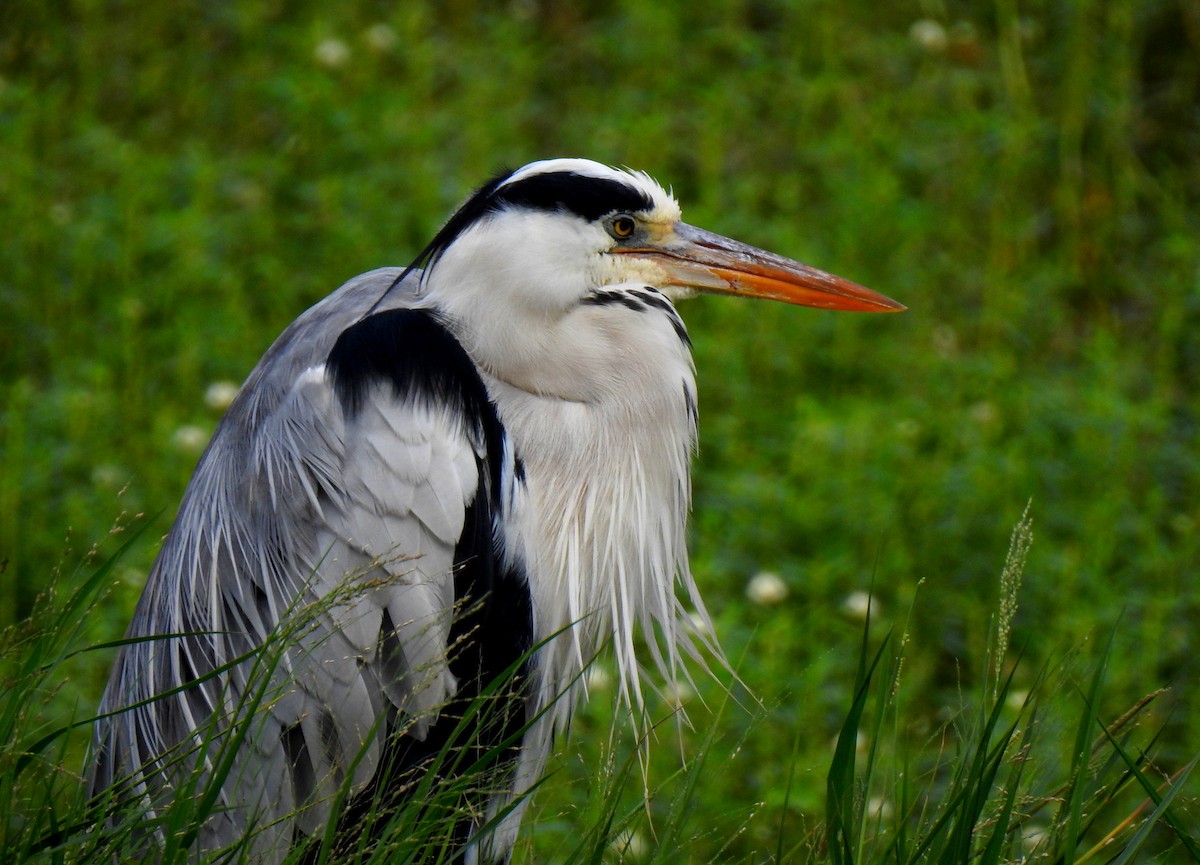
<point x="424" y="363"/>
<point x="411" y="349"/>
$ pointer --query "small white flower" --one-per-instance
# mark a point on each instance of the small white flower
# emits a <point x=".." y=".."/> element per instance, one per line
<point x="380" y="37"/>
<point x="679" y="693"/>
<point x="130" y="576"/>
<point x="858" y="605"/>
<point x="629" y="847"/>
<point x="1016" y="700"/>
<point x="597" y="678"/>
<point x="699" y="624"/>
<point x="879" y="808"/>
<point x="332" y="53"/>
<point x="929" y="35"/>
<point x="220" y="394"/>
<point x="109" y="476"/>
<point x="190" y="439"/>
<point x="766" y="588"/>
<point x="1034" y="837"/>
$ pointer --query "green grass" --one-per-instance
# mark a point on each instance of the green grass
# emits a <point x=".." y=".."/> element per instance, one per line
<point x="987" y="785"/>
<point x="178" y="181"/>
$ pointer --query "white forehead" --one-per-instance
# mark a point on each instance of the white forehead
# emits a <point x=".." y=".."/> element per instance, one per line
<point x="665" y="205"/>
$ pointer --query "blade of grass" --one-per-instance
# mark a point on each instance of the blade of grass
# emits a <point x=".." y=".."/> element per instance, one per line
<point x="993" y="851"/>
<point x="1071" y="811"/>
<point x="1155" y="796"/>
<point x="840" y="784"/>
<point x="787" y="796"/>
<point x="979" y="778"/>
<point x="1160" y="811"/>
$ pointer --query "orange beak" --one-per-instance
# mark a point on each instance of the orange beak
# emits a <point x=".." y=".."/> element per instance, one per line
<point x="704" y="261"/>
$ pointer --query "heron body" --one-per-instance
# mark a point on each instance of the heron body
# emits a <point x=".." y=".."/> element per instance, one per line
<point x="476" y="467"/>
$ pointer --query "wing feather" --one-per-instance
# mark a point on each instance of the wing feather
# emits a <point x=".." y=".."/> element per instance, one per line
<point x="342" y="488"/>
<point x="395" y="561"/>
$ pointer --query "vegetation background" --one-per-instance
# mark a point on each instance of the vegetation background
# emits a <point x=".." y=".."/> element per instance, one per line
<point x="179" y="180"/>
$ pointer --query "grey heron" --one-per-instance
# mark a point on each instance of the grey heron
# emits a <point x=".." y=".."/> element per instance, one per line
<point x="493" y="447"/>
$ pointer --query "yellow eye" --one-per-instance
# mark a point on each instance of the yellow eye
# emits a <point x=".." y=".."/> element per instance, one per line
<point x="622" y="226"/>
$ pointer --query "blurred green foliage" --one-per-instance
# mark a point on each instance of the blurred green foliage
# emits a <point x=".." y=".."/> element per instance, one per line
<point x="179" y="180"/>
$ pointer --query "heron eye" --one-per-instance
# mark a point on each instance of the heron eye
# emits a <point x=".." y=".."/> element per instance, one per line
<point x="622" y="226"/>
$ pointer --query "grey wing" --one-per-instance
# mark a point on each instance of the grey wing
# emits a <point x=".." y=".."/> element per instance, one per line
<point x="327" y="532"/>
<point x="375" y="575"/>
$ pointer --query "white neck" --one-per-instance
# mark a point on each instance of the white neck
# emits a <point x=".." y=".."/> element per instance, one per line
<point x="601" y="523"/>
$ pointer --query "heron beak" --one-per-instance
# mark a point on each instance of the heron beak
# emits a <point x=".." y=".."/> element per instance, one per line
<point x="704" y="261"/>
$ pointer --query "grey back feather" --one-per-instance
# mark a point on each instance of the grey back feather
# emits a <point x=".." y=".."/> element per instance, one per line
<point x="290" y="497"/>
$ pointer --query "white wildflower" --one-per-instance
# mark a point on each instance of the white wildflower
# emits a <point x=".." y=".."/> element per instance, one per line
<point x="929" y="35"/>
<point x="1035" y="837"/>
<point x="109" y="476"/>
<point x="699" y="624"/>
<point x="629" y="846"/>
<point x="220" y="394"/>
<point x="766" y="588"/>
<point x="190" y="438"/>
<point x="332" y="53"/>
<point x="679" y="693"/>
<point x="597" y="678"/>
<point x="879" y="808"/>
<point x="858" y="605"/>
<point x="1016" y="699"/>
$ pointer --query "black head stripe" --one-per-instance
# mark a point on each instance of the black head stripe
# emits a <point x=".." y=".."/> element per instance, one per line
<point x="587" y="197"/>
<point x="556" y="191"/>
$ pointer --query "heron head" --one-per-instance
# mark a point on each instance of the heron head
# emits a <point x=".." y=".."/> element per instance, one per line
<point x="556" y="230"/>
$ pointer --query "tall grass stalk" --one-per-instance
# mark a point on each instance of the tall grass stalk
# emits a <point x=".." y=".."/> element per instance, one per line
<point x="1010" y="587"/>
